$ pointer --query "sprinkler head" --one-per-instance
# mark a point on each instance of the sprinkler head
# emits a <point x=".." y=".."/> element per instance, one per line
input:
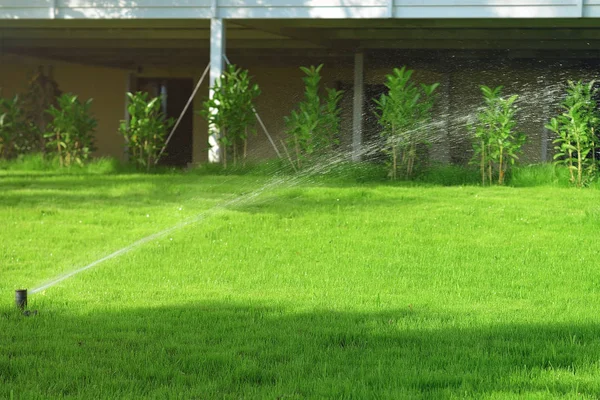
<point x="21" y="298"/>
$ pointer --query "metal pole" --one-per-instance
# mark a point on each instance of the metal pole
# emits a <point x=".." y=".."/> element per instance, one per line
<point x="358" y="107"/>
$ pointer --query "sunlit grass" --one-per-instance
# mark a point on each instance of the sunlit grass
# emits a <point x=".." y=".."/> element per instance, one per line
<point x="328" y="289"/>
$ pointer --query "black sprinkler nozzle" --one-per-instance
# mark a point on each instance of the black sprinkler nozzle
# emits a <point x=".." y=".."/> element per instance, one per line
<point x="21" y="298"/>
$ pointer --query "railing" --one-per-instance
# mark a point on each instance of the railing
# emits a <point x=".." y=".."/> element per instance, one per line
<point x="285" y="9"/>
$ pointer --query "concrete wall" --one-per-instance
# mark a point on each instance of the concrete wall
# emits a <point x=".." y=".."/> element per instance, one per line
<point x="105" y="86"/>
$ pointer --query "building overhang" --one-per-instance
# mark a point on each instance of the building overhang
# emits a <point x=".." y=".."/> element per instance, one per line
<point x="297" y="9"/>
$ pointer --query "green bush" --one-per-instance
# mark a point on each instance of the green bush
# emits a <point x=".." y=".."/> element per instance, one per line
<point x="313" y="127"/>
<point x="16" y="134"/>
<point x="70" y="133"/>
<point x="231" y="112"/>
<point x="145" y="132"/>
<point x="402" y="113"/>
<point x="497" y="142"/>
<point x="576" y="139"/>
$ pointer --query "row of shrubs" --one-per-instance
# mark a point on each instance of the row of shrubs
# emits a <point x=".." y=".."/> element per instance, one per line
<point x="59" y="125"/>
<point x="45" y="120"/>
<point x="404" y="113"/>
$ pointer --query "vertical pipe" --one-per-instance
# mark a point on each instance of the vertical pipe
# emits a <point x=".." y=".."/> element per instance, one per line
<point x="390" y="8"/>
<point x="358" y="106"/>
<point x="580" y="8"/>
<point x="214" y="8"/>
<point x="217" y="51"/>
<point x="52" y="11"/>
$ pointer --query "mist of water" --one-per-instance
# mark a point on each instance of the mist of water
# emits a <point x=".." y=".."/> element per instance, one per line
<point x="435" y="131"/>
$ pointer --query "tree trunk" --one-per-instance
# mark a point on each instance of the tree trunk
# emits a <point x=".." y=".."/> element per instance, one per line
<point x="482" y="163"/>
<point x="579" y="164"/>
<point x="501" y="168"/>
<point x="490" y="169"/>
<point x="235" y="156"/>
<point x="394" y="162"/>
<point x="224" y="149"/>
<point x="571" y="176"/>
<point x="297" y="146"/>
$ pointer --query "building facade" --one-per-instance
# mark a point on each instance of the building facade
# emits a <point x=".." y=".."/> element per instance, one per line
<point x="102" y="49"/>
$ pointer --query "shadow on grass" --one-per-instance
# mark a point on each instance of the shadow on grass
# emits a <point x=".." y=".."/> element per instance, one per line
<point x="210" y="350"/>
<point x="319" y="199"/>
<point x="81" y="190"/>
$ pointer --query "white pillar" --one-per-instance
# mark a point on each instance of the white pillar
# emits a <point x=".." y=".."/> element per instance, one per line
<point x="217" y="51"/>
<point x="358" y="106"/>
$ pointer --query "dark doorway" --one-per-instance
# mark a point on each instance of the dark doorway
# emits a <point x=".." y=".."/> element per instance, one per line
<point x="176" y="92"/>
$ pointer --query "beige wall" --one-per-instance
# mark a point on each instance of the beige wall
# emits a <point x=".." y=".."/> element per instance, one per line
<point x="105" y="86"/>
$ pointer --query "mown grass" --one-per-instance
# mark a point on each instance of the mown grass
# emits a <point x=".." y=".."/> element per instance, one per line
<point x="327" y="288"/>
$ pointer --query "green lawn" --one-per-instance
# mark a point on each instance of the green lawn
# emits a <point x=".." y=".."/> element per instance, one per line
<point x="317" y="290"/>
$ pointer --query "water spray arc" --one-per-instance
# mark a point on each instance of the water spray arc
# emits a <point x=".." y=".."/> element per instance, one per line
<point x="446" y="123"/>
<point x="277" y="182"/>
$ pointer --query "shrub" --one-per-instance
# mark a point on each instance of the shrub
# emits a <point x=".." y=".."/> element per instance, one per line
<point x="70" y="133"/>
<point x="402" y="113"/>
<point x="314" y="126"/>
<point x="496" y="140"/>
<point x="576" y="140"/>
<point x="146" y="130"/>
<point x="42" y="92"/>
<point x="16" y="134"/>
<point x="231" y="112"/>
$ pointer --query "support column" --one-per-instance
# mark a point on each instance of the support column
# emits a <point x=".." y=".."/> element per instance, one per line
<point x="217" y="51"/>
<point x="580" y="8"/>
<point x="53" y="9"/>
<point x="358" y="106"/>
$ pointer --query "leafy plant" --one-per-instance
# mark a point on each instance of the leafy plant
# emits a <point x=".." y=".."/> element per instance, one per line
<point x="403" y="112"/>
<point x="231" y="111"/>
<point x="16" y="134"/>
<point x="42" y="93"/>
<point x="314" y="126"/>
<point x="70" y="133"/>
<point x="146" y="130"/>
<point x="496" y="140"/>
<point x="576" y="140"/>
